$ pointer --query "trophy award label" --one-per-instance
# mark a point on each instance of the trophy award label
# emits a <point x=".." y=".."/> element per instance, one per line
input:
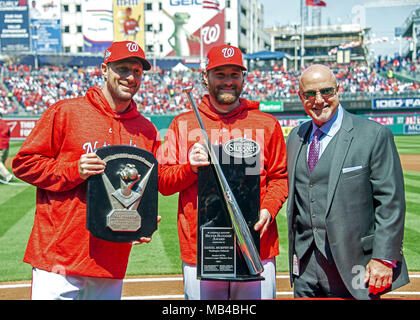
<point x="122" y="202"/>
<point x="219" y="256"/>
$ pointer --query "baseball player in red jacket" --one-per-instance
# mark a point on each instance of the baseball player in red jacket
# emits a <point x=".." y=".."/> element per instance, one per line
<point x="58" y="157"/>
<point x="226" y="116"/>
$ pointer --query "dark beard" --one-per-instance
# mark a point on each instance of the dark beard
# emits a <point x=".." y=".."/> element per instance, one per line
<point x="223" y="97"/>
<point x="226" y="98"/>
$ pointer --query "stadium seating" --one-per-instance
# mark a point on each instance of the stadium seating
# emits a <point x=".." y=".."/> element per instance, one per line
<point x="6" y="103"/>
<point x="161" y="93"/>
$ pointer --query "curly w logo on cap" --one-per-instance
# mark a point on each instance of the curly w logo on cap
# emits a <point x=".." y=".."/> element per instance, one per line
<point x="224" y="55"/>
<point x="228" y="52"/>
<point x="132" y="46"/>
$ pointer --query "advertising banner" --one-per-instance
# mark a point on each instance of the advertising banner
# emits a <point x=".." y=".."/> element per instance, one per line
<point x="20" y="128"/>
<point x="411" y="129"/>
<point x="404" y="124"/>
<point x="287" y="123"/>
<point x="271" y="106"/>
<point x="399" y="123"/>
<point x="45" y="25"/>
<point x="14" y="26"/>
<point x="396" y="103"/>
<point x="97" y="25"/>
<point x="186" y="20"/>
<point x="129" y="21"/>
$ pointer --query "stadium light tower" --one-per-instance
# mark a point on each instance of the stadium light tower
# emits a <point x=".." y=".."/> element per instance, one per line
<point x="302" y="41"/>
<point x="295" y="38"/>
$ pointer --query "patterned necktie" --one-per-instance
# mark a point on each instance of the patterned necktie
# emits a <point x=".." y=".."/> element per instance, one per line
<point x="314" y="150"/>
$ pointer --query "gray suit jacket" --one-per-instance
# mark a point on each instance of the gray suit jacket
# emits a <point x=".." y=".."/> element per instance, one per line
<point x="365" y="207"/>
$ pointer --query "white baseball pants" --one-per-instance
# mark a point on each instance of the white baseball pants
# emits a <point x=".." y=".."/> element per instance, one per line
<point x="195" y="289"/>
<point x="54" y="286"/>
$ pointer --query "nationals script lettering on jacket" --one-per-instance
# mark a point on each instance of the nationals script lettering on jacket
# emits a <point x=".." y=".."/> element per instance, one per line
<point x="92" y="146"/>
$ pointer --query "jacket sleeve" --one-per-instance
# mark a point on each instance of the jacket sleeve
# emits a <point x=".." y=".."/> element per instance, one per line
<point x="276" y="168"/>
<point x="388" y="197"/>
<point x="175" y="172"/>
<point x="39" y="162"/>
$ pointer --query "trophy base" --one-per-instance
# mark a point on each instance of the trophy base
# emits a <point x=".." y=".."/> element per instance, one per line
<point x="239" y="278"/>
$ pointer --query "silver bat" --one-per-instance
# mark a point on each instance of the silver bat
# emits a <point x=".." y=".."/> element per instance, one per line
<point x="240" y="227"/>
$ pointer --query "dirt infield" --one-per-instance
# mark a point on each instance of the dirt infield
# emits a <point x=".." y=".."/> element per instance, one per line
<point x="410" y="162"/>
<point x="170" y="287"/>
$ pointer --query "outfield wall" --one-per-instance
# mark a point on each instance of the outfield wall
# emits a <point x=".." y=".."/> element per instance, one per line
<point x="400" y="123"/>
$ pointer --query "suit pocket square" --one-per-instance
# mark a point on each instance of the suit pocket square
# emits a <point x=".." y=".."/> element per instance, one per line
<point x="350" y="169"/>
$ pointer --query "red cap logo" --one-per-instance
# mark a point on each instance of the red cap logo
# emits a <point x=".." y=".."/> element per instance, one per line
<point x="228" y="52"/>
<point x="132" y="47"/>
<point x="120" y="50"/>
<point x="224" y="55"/>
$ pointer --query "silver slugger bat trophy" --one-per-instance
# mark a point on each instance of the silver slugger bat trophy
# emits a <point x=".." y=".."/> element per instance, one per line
<point x="241" y="230"/>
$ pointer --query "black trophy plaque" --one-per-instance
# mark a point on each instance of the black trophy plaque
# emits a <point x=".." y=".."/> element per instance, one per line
<point x="122" y="202"/>
<point x="218" y="254"/>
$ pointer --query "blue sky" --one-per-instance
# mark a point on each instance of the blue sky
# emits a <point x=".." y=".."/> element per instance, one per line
<point x="382" y="20"/>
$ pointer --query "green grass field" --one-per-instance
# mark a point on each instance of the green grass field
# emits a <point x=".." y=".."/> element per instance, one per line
<point x="161" y="256"/>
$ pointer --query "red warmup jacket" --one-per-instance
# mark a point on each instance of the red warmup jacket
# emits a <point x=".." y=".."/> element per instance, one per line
<point x="4" y="135"/>
<point x="176" y="174"/>
<point x="49" y="158"/>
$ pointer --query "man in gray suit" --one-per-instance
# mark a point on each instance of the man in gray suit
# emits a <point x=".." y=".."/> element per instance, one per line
<point x="346" y="204"/>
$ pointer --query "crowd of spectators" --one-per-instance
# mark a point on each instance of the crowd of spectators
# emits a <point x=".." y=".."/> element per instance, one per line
<point x="401" y="65"/>
<point x="161" y="93"/>
<point x="37" y="89"/>
<point x="6" y="103"/>
<point x="364" y="81"/>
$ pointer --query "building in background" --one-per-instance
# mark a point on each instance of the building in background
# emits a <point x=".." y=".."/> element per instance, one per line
<point x="167" y="27"/>
<point x="245" y="25"/>
<point x="411" y="30"/>
<point x="173" y="27"/>
<point x="72" y="26"/>
<point x="324" y="43"/>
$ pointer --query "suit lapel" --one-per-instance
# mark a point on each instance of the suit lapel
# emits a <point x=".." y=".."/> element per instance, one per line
<point x="297" y="142"/>
<point x="344" y="140"/>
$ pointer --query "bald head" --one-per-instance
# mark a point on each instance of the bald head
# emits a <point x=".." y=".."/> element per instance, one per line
<point x="317" y="72"/>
